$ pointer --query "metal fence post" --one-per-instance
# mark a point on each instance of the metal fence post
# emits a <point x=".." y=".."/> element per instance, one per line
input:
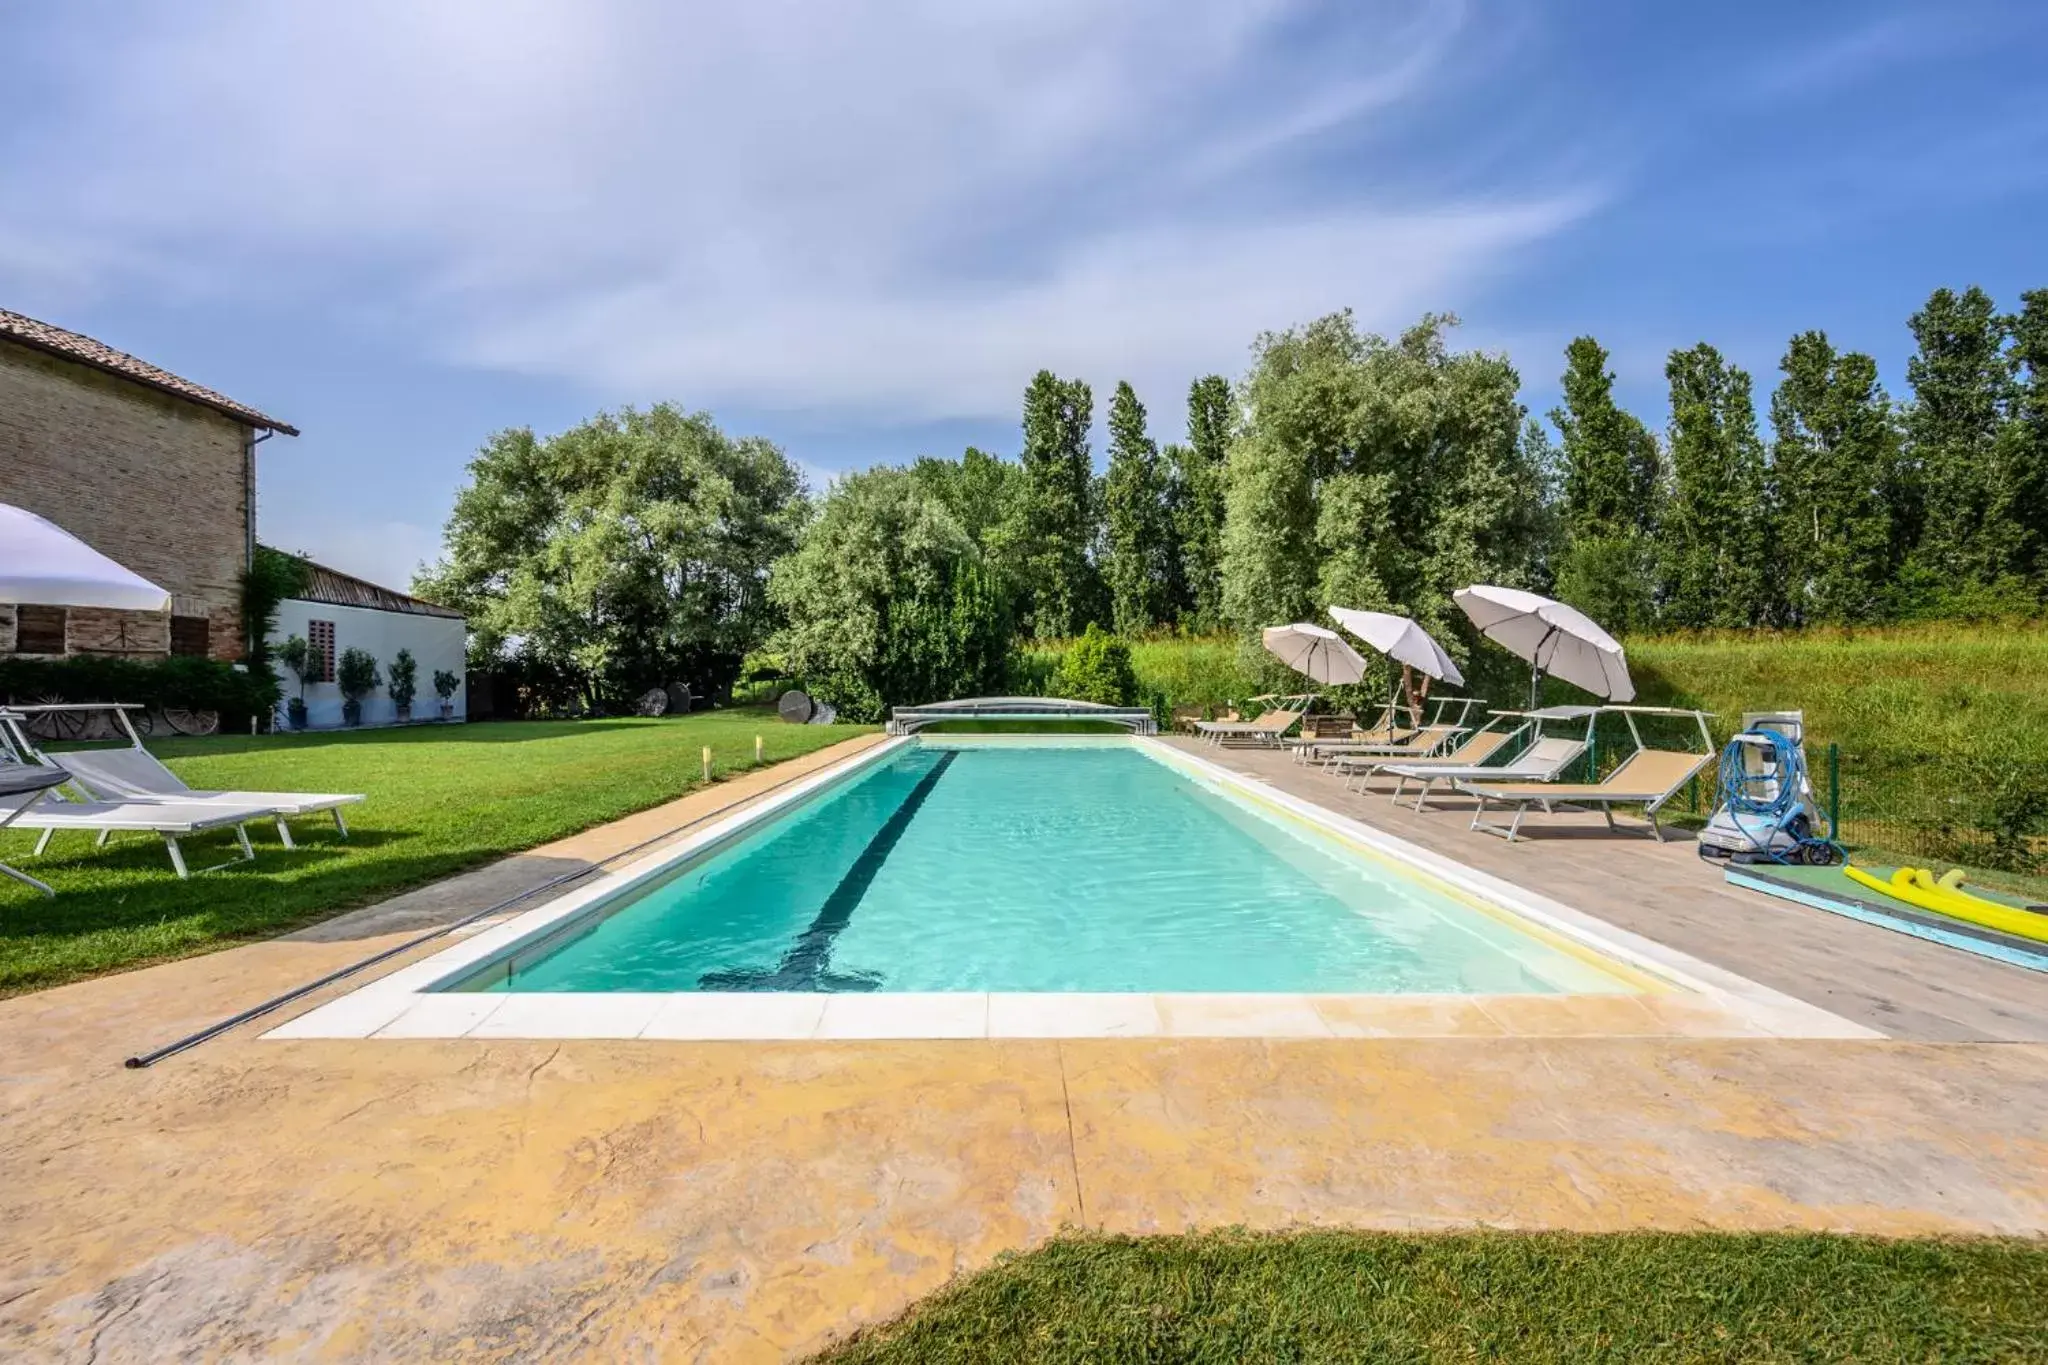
<point x="1834" y="793"/>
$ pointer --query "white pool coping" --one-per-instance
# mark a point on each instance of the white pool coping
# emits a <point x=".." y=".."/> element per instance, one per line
<point x="405" y="1003"/>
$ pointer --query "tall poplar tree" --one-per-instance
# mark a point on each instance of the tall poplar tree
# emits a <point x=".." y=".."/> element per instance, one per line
<point x="1197" y="496"/>
<point x="1833" y="464"/>
<point x="1970" y="528"/>
<point x="1712" y="540"/>
<point x="1060" y="520"/>
<point x="1612" y="481"/>
<point x="1134" y="566"/>
<point x="2027" y="434"/>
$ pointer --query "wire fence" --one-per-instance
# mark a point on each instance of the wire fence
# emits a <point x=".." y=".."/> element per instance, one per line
<point x="1983" y="813"/>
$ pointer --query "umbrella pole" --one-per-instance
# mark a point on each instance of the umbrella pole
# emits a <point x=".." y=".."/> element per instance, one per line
<point x="1536" y="667"/>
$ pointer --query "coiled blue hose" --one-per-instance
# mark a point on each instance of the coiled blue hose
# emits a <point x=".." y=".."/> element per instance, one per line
<point x="1760" y="813"/>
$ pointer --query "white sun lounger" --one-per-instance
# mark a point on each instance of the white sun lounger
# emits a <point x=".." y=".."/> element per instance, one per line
<point x="168" y="820"/>
<point x="1543" y="761"/>
<point x="136" y="774"/>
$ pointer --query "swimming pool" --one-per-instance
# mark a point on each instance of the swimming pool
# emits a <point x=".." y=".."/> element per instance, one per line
<point x="1042" y="866"/>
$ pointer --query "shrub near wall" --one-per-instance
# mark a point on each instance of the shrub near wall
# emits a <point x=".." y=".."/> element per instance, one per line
<point x="191" y="684"/>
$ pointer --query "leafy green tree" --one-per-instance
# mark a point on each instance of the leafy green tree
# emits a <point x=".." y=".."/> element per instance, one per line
<point x="1061" y="518"/>
<point x="1097" y="667"/>
<point x="1196" y="499"/>
<point x="1297" y="400"/>
<point x="1834" y="465"/>
<point x="1612" y="477"/>
<point x="982" y="491"/>
<point x="2027" y="435"/>
<point x="1378" y="474"/>
<point x="888" y="600"/>
<point x="990" y="498"/>
<point x="1970" y="526"/>
<point x="1715" y="557"/>
<point x="623" y="553"/>
<point x="1136" y="535"/>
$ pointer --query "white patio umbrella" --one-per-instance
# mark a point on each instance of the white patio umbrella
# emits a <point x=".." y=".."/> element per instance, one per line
<point x="1556" y="639"/>
<point x="1316" y="651"/>
<point x="1401" y="640"/>
<point x="43" y="563"/>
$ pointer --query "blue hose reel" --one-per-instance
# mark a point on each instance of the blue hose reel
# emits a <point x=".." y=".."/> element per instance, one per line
<point x="1767" y="813"/>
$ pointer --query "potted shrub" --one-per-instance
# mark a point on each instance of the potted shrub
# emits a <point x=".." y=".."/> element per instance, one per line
<point x="445" y="684"/>
<point x="357" y="676"/>
<point x="296" y="655"/>
<point x="405" y="672"/>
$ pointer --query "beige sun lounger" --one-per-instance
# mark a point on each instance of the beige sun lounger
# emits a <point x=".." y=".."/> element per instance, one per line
<point x="1267" y="729"/>
<point x="134" y="774"/>
<point x="1421" y="744"/>
<point x="1543" y="761"/>
<point x="1471" y="752"/>
<point x="1647" y="778"/>
<point x="168" y="820"/>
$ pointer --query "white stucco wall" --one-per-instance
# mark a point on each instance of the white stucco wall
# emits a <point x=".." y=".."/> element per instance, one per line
<point x="436" y="642"/>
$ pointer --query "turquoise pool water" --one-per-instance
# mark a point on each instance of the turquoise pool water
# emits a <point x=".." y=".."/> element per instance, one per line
<point x="1039" y="867"/>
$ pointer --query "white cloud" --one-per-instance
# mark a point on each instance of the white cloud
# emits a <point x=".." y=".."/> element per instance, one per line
<point x="897" y="210"/>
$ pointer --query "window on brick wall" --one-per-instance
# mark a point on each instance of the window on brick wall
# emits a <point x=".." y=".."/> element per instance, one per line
<point x="39" y="630"/>
<point x="320" y="642"/>
<point x="190" y="635"/>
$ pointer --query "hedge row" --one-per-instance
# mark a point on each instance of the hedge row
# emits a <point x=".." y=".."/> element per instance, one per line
<point x="190" y="684"/>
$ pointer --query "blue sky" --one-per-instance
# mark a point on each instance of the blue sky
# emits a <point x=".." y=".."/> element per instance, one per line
<point x="858" y="230"/>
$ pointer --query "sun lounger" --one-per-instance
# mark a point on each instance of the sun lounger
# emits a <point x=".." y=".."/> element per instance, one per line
<point x="135" y="775"/>
<point x="1647" y="778"/>
<point x="1421" y="744"/>
<point x="1267" y="729"/>
<point x="1543" y="761"/>
<point x="1264" y="733"/>
<point x="1471" y="752"/>
<point x="165" y="819"/>
<point x="21" y="786"/>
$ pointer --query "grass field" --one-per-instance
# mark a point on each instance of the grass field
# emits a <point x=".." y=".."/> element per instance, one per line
<point x="1344" y="1296"/>
<point x="441" y="799"/>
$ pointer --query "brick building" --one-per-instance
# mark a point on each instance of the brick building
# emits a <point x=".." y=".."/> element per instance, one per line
<point x="153" y="471"/>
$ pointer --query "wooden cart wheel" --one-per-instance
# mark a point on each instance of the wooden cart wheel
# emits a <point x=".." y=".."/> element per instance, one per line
<point x="144" y="722"/>
<point x="192" y="722"/>
<point x="56" y="725"/>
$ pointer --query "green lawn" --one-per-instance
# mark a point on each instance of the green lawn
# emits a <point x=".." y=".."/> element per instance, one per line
<point x="1346" y="1296"/>
<point x="441" y="799"/>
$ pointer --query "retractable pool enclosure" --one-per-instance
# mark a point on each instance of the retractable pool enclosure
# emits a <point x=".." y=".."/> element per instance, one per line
<point x="908" y="720"/>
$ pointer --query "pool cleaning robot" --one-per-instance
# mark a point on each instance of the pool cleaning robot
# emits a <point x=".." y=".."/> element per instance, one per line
<point x="1767" y="812"/>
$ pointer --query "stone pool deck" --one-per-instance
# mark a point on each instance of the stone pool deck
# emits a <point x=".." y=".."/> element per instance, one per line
<point x="732" y="1201"/>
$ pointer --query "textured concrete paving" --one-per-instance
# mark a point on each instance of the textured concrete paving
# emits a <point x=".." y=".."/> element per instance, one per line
<point x="1899" y="985"/>
<point x="737" y="1201"/>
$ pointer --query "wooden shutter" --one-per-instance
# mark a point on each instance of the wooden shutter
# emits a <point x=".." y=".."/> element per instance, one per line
<point x="39" y="630"/>
<point x="190" y="635"/>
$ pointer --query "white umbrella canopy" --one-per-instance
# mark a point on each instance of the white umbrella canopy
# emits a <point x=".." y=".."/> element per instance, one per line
<point x="1401" y="640"/>
<point x="1315" y="651"/>
<point x="1556" y="639"/>
<point x="43" y="563"/>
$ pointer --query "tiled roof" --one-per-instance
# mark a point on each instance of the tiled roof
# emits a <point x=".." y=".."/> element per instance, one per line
<point x="99" y="355"/>
<point x="339" y="589"/>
